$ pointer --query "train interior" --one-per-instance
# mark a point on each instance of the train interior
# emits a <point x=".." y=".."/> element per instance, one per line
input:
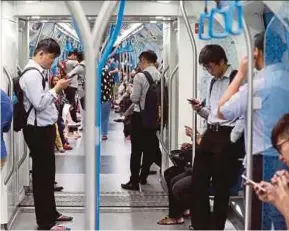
<point x="155" y="25"/>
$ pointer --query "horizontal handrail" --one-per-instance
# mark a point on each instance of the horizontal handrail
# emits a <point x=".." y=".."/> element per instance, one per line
<point x="11" y="143"/>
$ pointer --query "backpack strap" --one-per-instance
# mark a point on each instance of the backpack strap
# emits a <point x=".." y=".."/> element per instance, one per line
<point x="43" y="86"/>
<point x="34" y="68"/>
<point x="231" y="77"/>
<point x="148" y="77"/>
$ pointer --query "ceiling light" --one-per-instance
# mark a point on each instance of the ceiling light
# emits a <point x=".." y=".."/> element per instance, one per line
<point x="31" y="1"/>
<point x="164" y="1"/>
<point x="35" y="17"/>
<point x="160" y="17"/>
<point x="153" y="22"/>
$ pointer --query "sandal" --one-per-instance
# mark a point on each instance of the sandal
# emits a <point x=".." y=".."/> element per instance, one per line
<point x="60" y="227"/>
<point x="171" y="221"/>
<point x="64" y="218"/>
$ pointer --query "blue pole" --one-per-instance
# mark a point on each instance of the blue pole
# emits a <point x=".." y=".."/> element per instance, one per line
<point x="101" y="64"/>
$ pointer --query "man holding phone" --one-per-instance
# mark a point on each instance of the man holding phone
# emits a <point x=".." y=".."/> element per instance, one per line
<point x="219" y="151"/>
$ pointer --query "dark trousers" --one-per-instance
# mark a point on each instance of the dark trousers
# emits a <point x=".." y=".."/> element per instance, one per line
<point x="40" y="141"/>
<point x="179" y="184"/>
<point x="70" y="96"/>
<point x="143" y="143"/>
<point x="217" y="160"/>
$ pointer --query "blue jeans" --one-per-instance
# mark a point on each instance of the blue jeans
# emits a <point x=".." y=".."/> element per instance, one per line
<point x="105" y="111"/>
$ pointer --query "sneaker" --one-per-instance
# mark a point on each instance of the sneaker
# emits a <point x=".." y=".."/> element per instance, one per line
<point x="104" y="138"/>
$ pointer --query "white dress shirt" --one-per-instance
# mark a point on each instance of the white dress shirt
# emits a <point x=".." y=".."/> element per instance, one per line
<point x="42" y="100"/>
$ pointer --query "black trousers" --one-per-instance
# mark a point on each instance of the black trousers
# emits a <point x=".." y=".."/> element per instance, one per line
<point x="143" y="144"/>
<point x="40" y="141"/>
<point x="179" y="184"/>
<point x="217" y="160"/>
<point x="70" y="96"/>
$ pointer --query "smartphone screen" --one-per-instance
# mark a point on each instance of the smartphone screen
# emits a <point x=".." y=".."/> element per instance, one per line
<point x="253" y="183"/>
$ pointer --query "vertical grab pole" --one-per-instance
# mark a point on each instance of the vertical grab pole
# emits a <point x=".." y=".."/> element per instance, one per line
<point x="11" y="132"/>
<point x="91" y="50"/>
<point x="195" y="58"/>
<point x="249" y="156"/>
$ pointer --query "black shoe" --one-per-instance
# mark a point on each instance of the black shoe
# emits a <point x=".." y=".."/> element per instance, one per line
<point x="143" y="181"/>
<point x="130" y="186"/>
<point x="58" y="188"/>
<point x="152" y="172"/>
<point x="118" y="120"/>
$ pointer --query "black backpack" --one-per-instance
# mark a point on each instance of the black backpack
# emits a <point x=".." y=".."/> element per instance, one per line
<point x="20" y="116"/>
<point x="151" y="113"/>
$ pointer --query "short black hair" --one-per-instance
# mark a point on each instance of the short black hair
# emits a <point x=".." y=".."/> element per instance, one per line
<point x="48" y="45"/>
<point x="212" y="54"/>
<point x="149" y="56"/>
<point x="259" y="41"/>
<point x="80" y="56"/>
<point x="280" y="130"/>
<point x="73" y="52"/>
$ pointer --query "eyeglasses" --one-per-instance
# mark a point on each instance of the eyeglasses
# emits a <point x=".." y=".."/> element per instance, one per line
<point x="279" y="146"/>
<point x="208" y="67"/>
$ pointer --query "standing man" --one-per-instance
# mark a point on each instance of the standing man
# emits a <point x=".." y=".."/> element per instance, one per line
<point x="143" y="140"/>
<point x="219" y="149"/>
<point x="40" y="133"/>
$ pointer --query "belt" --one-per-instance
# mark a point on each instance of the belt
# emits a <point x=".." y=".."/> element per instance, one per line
<point x="217" y="127"/>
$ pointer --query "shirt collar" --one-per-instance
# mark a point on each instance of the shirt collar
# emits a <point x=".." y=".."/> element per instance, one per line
<point x="32" y="63"/>
<point x="150" y="68"/>
<point x="228" y="72"/>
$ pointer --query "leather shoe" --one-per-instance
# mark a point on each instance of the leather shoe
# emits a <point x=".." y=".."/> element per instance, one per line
<point x="58" y="188"/>
<point x="130" y="186"/>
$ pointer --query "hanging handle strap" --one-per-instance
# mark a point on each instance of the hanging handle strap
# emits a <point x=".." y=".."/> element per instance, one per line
<point x="203" y="18"/>
<point x="235" y="8"/>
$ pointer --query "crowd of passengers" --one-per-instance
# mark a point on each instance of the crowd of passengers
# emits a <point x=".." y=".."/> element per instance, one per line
<point x="217" y="162"/>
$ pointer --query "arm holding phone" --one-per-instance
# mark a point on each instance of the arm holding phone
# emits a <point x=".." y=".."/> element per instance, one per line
<point x="199" y="108"/>
<point x="276" y="194"/>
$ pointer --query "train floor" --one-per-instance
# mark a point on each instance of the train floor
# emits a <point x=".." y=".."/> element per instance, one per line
<point x="119" y="209"/>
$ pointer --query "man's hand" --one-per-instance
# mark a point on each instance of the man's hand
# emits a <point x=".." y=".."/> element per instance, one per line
<point x="62" y="84"/>
<point x="196" y="105"/>
<point x="189" y="131"/>
<point x="279" y="174"/>
<point x="186" y="146"/>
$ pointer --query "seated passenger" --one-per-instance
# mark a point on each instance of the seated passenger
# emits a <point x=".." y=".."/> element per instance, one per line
<point x="179" y="183"/>
<point x="219" y="154"/>
<point x="270" y="87"/>
<point x="277" y="192"/>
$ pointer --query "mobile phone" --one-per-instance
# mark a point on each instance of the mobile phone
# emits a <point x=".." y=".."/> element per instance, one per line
<point x="253" y="183"/>
<point x="193" y="101"/>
